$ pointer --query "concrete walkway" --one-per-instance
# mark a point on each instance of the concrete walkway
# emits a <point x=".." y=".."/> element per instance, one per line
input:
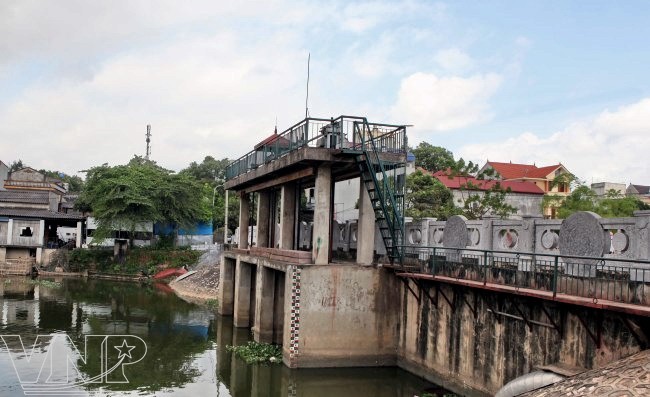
<point x="627" y="377"/>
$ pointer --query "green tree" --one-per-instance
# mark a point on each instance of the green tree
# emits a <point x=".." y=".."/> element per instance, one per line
<point x="582" y="198"/>
<point x="427" y="197"/>
<point x="213" y="172"/>
<point x="16" y="165"/>
<point x="480" y="202"/>
<point x="127" y="195"/>
<point x="477" y="200"/>
<point x="433" y="158"/>
<point x="75" y="183"/>
<point x="619" y="207"/>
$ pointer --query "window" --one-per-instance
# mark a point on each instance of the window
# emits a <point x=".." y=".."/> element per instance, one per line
<point x="26" y="232"/>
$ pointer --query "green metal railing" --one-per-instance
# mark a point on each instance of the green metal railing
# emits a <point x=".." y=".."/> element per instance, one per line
<point x="333" y="133"/>
<point x="612" y="279"/>
<point x="386" y="192"/>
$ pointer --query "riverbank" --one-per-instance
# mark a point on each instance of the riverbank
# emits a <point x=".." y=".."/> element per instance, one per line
<point x="200" y="287"/>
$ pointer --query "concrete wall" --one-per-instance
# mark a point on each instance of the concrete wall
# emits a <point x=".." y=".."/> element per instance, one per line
<point x="463" y="345"/>
<point x="526" y="204"/>
<point x="27" y="174"/>
<point x="538" y="235"/>
<point x="345" y="316"/>
<point x="601" y="188"/>
<point x="4" y="172"/>
<point x="3" y="232"/>
<point x="17" y="253"/>
<point x="19" y="225"/>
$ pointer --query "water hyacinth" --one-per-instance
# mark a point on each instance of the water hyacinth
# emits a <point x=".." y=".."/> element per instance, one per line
<point x="255" y="352"/>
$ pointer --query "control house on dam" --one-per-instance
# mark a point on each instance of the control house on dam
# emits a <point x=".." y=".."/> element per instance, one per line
<point x="468" y="304"/>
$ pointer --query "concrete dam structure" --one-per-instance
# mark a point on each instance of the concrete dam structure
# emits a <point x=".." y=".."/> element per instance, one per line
<point x="470" y="305"/>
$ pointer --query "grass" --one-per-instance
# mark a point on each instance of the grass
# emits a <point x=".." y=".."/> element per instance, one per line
<point x="212" y="303"/>
<point x="46" y="283"/>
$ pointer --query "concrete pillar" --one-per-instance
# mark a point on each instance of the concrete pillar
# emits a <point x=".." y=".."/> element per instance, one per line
<point x="10" y="232"/>
<point x="642" y="226"/>
<point x="244" y="217"/>
<point x="264" y="296"/>
<point x="242" y="306"/>
<point x="263" y="215"/>
<point x="225" y="227"/>
<point x="278" y="308"/>
<point x="41" y="232"/>
<point x="287" y="215"/>
<point x="322" y="216"/>
<point x="226" y="290"/>
<point x="366" y="228"/>
<point x="39" y="255"/>
<point x="78" y="242"/>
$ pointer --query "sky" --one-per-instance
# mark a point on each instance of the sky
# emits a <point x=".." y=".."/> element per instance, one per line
<point x="541" y="82"/>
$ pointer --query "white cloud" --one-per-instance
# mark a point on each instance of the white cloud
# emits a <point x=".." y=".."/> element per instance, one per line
<point x="435" y="103"/>
<point x="202" y="95"/>
<point x="453" y="59"/>
<point x="612" y="146"/>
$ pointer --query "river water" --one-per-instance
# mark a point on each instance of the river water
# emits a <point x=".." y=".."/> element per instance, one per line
<point x="96" y="338"/>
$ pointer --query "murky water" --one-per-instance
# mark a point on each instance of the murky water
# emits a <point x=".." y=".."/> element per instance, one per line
<point x="92" y="337"/>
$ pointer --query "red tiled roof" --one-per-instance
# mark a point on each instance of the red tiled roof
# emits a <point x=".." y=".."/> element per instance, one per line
<point x="515" y="171"/>
<point x="515" y="186"/>
<point x="282" y="141"/>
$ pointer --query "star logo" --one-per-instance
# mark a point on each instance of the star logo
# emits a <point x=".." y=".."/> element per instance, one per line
<point x="125" y="350"/>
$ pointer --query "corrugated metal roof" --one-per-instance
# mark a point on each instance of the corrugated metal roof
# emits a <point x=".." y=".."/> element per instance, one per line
<point x="24" y="197"/>
<point x="39" y="214"/>
<point x="642" y="189"/>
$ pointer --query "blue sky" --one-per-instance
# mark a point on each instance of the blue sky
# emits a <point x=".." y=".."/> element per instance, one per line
<point x="522" y="81"/>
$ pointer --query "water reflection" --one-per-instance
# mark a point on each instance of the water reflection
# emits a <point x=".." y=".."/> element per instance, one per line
<point x="186" y="346"/>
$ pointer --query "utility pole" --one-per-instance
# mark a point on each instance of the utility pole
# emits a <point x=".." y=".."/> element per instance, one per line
<point x="148" y="140"/>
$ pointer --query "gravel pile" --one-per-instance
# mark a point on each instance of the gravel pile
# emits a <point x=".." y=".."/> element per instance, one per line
<point x="202" y="285"/>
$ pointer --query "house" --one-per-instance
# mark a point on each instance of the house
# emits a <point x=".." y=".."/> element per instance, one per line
<point x="30" y="218"/>
<point x="270" y="147"/>
<point x="29" y="179"/>
<point x="4" y="173"/>
<point x="548" y="179"/>
<point x="639" y="191"/>
<point x="142" y="235"/>
<point x="602" y="189"/>
<point x="526" y="197"/>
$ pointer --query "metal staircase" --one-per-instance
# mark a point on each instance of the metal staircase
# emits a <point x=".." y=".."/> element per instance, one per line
<point x="383" y="183"/>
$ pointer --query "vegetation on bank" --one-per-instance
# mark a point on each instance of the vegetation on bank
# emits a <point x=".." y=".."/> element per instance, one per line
<point x="138" y="260"/>
<point x="255" y="352"/>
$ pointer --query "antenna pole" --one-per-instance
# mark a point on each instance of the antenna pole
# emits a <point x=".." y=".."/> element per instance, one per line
<point x="307" y="98"/>
<point x="148" y="140"/>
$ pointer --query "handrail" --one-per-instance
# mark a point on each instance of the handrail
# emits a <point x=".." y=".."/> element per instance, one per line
<point x="608" y="278"/>
<point x="526" y="253"/>
<point x="310" y="131"/>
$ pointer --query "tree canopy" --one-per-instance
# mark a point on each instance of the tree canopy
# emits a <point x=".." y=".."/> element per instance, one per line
<point x="582" y="198"/>
<point x="433" y="158"/>
<point x="427" y="197"/>
<point x="141" y="191"/>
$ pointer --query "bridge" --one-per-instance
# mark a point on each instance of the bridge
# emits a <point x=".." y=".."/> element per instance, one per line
<point x="469" y="305"/>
